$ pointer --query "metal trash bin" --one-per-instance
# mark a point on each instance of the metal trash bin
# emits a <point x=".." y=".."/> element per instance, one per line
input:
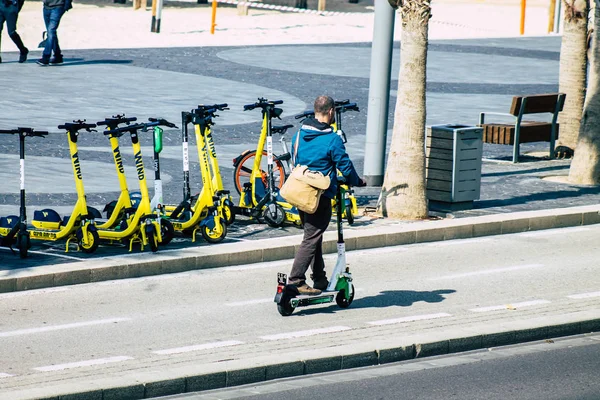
<point x="453" y="166"/>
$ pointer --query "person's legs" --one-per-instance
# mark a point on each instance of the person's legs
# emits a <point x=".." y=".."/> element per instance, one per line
<point x="52" y="20"/>
<point x="310" y="251"/>
<point x="11" y="24"/>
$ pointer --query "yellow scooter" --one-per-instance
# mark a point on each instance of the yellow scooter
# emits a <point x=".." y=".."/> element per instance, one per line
<point x="212" y="207"/>
<point x="78" y="226"/>
<point x="121" y="209"/>
<point x="142" y="226"/>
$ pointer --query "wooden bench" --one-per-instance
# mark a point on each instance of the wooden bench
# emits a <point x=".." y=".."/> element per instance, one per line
<point x="525" y="131"/>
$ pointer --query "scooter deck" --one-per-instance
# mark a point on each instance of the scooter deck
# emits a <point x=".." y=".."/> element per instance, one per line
<point x="306" y="300"/>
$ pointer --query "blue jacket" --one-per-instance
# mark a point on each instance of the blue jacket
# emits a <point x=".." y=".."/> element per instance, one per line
<point x="321" y="149"/>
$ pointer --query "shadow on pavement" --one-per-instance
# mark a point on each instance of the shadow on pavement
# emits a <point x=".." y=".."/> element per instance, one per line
<point x="526" y="171"/>
<point x="535" y="197"/>
<point x="81" y="61"/>
<point x="388" y="298"/>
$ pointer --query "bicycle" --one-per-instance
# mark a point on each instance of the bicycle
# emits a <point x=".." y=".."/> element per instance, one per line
<point x="282" y="165"/>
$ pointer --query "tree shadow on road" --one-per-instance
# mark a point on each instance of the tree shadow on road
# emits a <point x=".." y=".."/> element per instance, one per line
<point x="387" y="298"/>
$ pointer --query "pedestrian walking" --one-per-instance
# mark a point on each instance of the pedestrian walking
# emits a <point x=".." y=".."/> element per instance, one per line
<point x="321" y="149"/>
<point x="9" y="13"/>
<point x="53" y="12"/>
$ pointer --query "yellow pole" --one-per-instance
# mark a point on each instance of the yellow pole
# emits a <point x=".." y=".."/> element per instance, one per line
<point x="551" y="12"/>
<point x="523" y="6"/>
<point x="214" y="17"/>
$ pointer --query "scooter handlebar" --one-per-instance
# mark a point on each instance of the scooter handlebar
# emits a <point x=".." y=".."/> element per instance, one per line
<point x="116" y="120"/>
<point x="262" y="103"/>
<point x="160" y="121"/>
<point x="25" y="131"/>
<point x="219" y="107"/>
<point x="76" y="126"/>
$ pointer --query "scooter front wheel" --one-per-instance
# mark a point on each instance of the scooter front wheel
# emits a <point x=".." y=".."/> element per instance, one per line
<point x="24" y="244"/>
<point x="215" y="235"/>
<point x="167" y="231"/>
<point x="341" y="299"/>
<point x="229" y="214"/>
<point x="93" y="240"/>
<point x="152" y="237"/>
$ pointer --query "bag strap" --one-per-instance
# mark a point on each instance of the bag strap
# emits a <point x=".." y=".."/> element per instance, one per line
<point x="296" y="149"/>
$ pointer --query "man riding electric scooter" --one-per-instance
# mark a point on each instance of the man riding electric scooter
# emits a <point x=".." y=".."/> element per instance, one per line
<point x="319" y="148"/>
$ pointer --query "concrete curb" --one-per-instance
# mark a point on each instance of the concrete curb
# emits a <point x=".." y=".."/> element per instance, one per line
<point x="197" y="378"/>
<point x="264" y="250"/>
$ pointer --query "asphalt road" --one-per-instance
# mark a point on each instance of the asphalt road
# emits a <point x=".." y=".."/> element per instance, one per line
<point x="565" y="369"/>
<point x="206" y="316"/>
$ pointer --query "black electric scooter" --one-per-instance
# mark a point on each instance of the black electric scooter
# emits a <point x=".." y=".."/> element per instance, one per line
<point x="13" y="229"/>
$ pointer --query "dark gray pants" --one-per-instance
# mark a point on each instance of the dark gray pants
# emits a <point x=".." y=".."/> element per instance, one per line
<point x="310" y="253"/>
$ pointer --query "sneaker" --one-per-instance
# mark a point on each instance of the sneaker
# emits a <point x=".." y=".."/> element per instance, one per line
<point x="43" y="62"/>
<point x="56" y="60"/>
<point x="305" y="289"/>
<point x="321" y="283"/>
<point x="23" y="56"/>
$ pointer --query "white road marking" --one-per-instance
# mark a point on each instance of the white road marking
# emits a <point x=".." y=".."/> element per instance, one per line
<point x="511" y="306"/>
<point x="3" y="375"/>
<point x="408" y="319"/>
<point x="249" y="302"/>
<point x="489" y="271"/>
<point x="199" y="347"/>
<point x="584" y="295"/>
<point x="310" y="332"/>
<point x="62" y="327"/>
<point x="551" y="232"/>
<point x="32" y="292"/>
<point x="87" y="363"/>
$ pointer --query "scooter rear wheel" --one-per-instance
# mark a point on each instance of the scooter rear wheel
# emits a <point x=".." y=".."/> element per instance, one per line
<point x="93" y="240"/>
<point x="341" y="299"/>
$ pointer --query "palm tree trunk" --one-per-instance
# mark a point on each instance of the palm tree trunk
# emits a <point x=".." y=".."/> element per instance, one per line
<point x="403" y="195"/>
<point x="585" y="167"/>
<point x="573" y="69"/>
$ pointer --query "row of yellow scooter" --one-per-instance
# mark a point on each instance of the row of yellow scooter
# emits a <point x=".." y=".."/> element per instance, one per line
<point x="135" y="217"/>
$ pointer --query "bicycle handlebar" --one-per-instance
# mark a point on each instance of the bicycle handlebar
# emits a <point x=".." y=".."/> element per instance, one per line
<point x="341" y="106"/>
<point x="76" y="126"/>
<point x="116" y="120"/>
<point x="25" y="131"/>
<point x="262" y="103"/>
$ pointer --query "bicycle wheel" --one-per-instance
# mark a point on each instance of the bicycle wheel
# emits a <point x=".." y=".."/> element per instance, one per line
<point x="243" y="170"/>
